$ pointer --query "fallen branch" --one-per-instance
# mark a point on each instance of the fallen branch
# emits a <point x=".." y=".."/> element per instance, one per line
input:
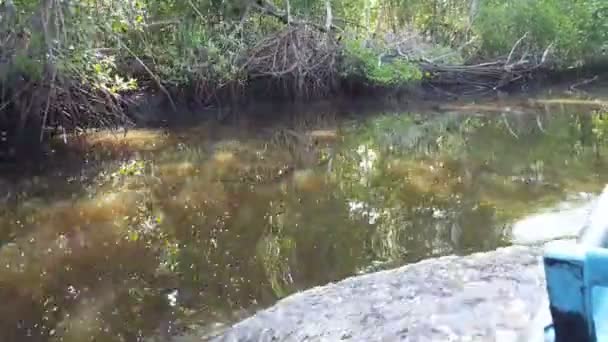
<point x="488" y="76"/>
<point x="583" y="82"/>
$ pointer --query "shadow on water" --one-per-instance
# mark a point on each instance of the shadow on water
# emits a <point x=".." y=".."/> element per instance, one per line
<point x="123" y="238"/>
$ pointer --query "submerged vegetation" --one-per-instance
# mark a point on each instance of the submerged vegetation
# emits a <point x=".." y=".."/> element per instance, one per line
<point x="162" y="232"/>
<point x="69" y="65"/>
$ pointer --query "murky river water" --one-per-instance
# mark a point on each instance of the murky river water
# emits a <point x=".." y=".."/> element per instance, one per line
<point x="123" y="238"/>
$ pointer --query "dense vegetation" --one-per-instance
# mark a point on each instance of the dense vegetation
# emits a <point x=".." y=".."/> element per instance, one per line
<point x="78" y="63"/>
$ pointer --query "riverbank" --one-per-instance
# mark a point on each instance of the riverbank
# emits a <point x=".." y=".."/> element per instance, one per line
<point x="153" y="110"/>
<point x="69" y="68"/>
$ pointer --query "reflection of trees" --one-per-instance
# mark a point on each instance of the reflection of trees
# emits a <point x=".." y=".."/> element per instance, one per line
<point x="227" y="233"/>
<point x="449" y="183"/>
<point x="60" y="278"/>
<point x="274" y="253"/>
<point x="242" y="244"/>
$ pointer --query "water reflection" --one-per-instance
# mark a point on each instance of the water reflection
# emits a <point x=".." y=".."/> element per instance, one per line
<point x="162" y="231"/>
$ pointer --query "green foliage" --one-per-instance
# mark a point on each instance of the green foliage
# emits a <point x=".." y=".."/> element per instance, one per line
<point x="600" y="125"/>
<point x="205" y="43"/>
<point x="102" y="74"/>
<point x="24" y="65"/>
<point x="576" y="29"/>
<point x="198" y="53"/>
<point x="364" y="62"/>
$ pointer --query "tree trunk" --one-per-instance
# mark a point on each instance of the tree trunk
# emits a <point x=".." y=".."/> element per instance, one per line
<point x="328" y="17"/>
<point x="473" y="10"/>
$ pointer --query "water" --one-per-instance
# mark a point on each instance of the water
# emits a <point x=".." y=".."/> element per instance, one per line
<point x="160" y="232"/>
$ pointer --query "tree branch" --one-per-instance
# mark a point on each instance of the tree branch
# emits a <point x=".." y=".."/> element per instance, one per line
<point x="514" y="47"/>
<point x="266" y="7"/>
<point x="328" y="17"/>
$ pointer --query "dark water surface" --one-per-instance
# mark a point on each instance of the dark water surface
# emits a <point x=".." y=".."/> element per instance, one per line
<point x="137" y="237"/>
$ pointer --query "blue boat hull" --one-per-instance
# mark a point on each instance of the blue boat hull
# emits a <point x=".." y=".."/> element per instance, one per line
<point x="577" y="285"/>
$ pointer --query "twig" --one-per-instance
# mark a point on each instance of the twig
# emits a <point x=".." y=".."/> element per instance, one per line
<point x="48" y="103"/>
<point x="504" y="117"/>
<point x="162" y="23"/>
<point x="540" y="124"/>
<point x="583" y="82"/>
<point x="16" y="95"/>
<point x="546" y="54"/>
<point x="270" y="9"/>
<point x="245" y="15"/>
<point x="514" y="47"/>
<point x="196" y="10"/>
<point x="153" y="75"/>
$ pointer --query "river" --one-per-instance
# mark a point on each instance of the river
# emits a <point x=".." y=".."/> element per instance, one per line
<point x="130" y="237"/>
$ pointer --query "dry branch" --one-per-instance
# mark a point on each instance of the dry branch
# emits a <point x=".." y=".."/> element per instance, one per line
<point x="515" y="47"/>
<point x="488" y="76"/>
<point x="299" y="57"/>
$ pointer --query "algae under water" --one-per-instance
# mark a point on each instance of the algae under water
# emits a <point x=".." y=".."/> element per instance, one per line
<point x="130" y="237"/>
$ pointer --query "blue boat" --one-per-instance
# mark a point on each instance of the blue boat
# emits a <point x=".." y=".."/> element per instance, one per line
<point x="576" y="273"/>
